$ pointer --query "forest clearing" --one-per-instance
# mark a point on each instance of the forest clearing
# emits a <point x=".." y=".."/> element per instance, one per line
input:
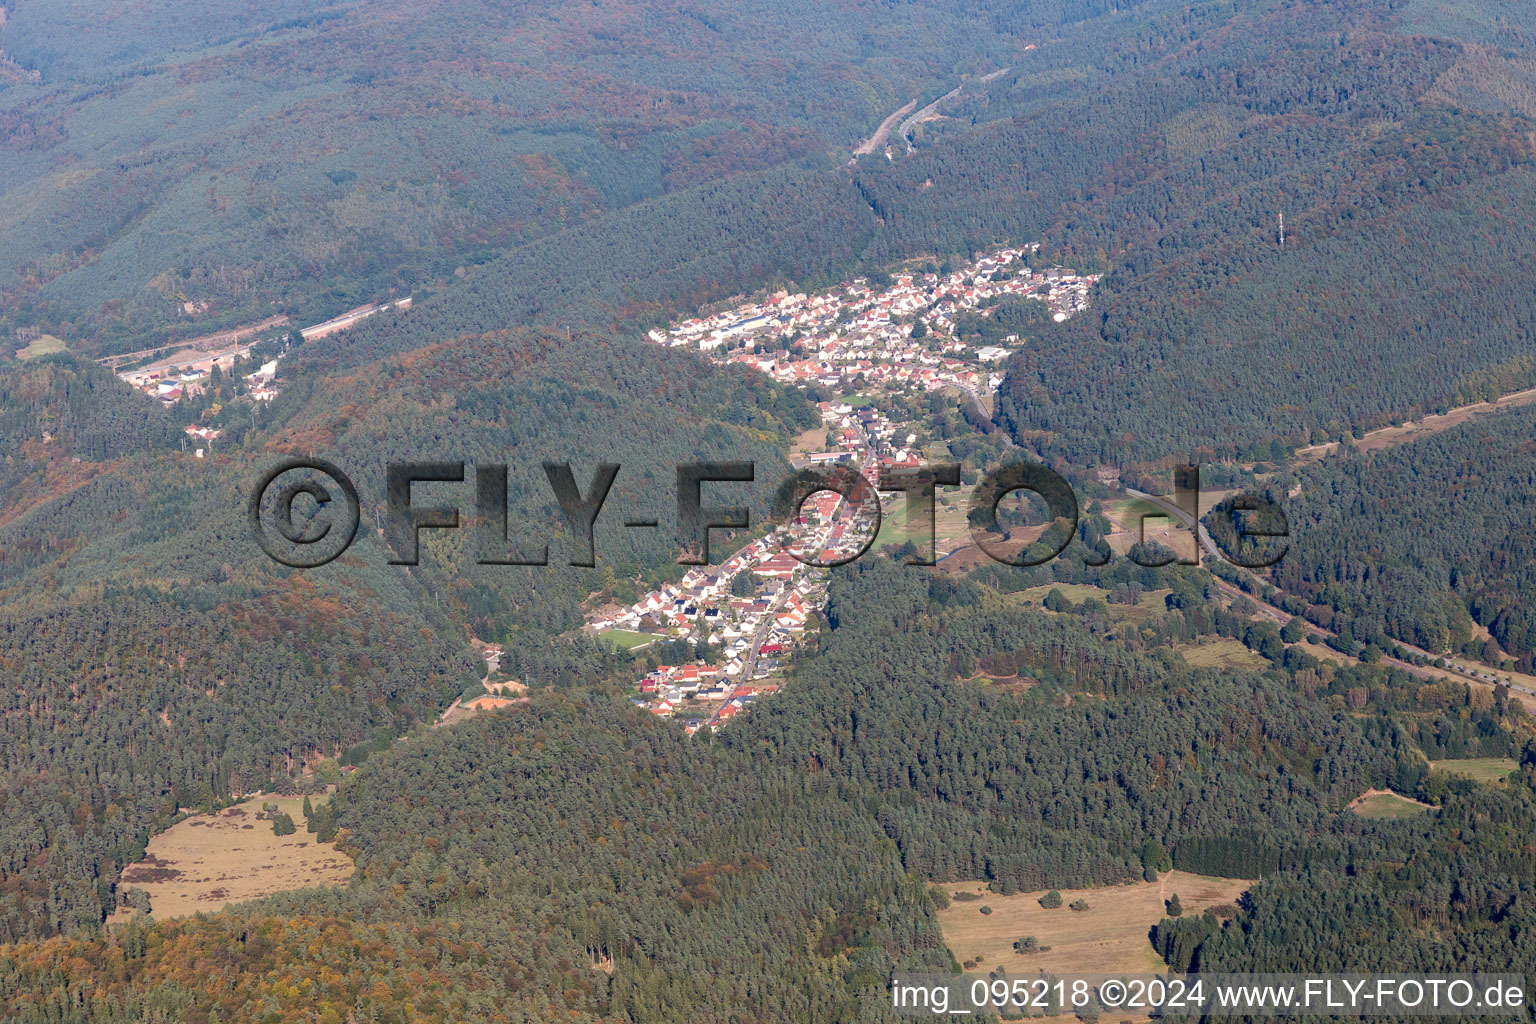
<point x="209" y="861"/>
<point x="1109" y="936"/>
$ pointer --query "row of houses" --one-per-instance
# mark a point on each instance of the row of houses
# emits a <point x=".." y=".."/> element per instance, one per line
<point x="731" y="703"/>
<point x="749" y="633"/>
<point x="170" y="383"/>
<point x="711" y="689"/>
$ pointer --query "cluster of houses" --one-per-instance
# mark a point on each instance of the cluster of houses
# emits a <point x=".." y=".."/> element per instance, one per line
<point x="858" y="336"/>
<point x="671" y="687"/>
<point x="747" y="630"/>
<point x="203" y="434"/>
<point x="263" y="382"/>
<point x="867" y="434"/>
<point x="747" y="638"/>
<point x="170" y="383"/>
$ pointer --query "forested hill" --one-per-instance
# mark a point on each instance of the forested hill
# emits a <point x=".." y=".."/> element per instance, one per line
<point x="83" y="409"/>
<point x="1163" y="146"/>
<point x="597" y="182"/>
<point x="576" y="858"/>
<point x="177" y="168"/>
<point x="156" y="658"/>
<point x="1402" y="165"/>
<point x="552" y="177"/>
<point x="1424" y="542"/>
<point x="62" y="421"/>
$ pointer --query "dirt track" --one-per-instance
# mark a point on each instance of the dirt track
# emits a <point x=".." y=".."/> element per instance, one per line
<point x="1387" y="437"/>
<point x="876" y="142"/>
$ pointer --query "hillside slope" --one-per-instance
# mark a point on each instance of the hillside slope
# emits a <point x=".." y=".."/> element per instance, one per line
<point x="158" y="658"/>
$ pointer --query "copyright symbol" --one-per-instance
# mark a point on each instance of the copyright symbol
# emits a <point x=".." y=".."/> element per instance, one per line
<point x="1112" y="993"/>
<point x="305" y="538"/>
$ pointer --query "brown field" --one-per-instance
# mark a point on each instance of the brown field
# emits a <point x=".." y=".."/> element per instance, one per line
<point x="1134" y="519"/>
<point x="813" y="440"/>
<point x="967" y="555"/>
<point x="1110" y="936"/>
<point x="1125" y="516"/>
<point x="212" y="860"/>
<point x="1210" y="499"/>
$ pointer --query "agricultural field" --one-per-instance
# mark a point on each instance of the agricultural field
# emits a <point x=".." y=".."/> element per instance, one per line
<point x="950" y="529"/>
<point x="1128" y="528"/>
<point x="1110" y="936"/>
<point x="1381" y="803"/>
<point x="1478" y="769"/>
<point x="209" y="861"/>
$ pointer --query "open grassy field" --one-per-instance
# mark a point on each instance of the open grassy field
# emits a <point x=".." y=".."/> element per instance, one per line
<point x="1222" y="653"/>
<point x="211" y="860"/>
<point x="1325" y="653"/>
<point x="627" y="640"/>
<point x="1110" y="936"/>
<point x="1133" y="518"/>
<point x="1150" y="603"/>
<point x="949" y="526"/>
<point x="47" y="345"/>
<point x="1377" y="803"/>
<point x="1077" y="593"/>
<point x="1479" y="769"/>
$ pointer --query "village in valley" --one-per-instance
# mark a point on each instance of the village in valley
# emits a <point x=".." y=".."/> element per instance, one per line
<point x="864" y="344"/>
<point x="863" y="347"/>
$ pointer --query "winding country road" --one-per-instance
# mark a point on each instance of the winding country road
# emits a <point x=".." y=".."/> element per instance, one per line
<point x="877" y="141"/>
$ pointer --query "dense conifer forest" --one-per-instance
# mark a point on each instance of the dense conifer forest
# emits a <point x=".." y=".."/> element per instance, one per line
<point x="508" y="864"/>
<point x="1120" y="144"/>
<point x="159" y="660"/>
<point x="1424" y="542"/>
